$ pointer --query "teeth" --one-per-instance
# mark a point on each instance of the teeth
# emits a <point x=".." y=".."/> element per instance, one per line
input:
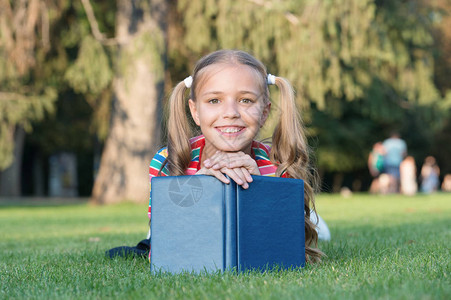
<point x="230" y="130"/>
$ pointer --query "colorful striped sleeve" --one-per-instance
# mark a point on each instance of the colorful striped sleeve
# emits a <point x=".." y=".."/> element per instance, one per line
<point x="265" y="166"/>
<point x="154" y="169"/>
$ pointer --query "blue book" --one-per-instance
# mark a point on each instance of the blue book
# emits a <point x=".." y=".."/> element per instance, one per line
<point x="201" y="224"/>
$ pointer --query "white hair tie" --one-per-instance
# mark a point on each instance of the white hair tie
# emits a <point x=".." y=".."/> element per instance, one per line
<point x="188" y="81"/>
<point x="271" y="79"/>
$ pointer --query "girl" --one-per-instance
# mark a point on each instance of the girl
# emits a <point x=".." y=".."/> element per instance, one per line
<point x="229" y="101"/>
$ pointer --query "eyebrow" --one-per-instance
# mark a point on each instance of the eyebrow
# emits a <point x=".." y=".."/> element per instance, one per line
<point x="220" y="93"/>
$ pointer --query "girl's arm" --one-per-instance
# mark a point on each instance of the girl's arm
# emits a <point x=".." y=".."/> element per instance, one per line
<point x="154" y="171"/>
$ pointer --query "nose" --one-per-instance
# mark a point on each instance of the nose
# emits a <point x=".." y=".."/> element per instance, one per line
<point x="231" y="110"/>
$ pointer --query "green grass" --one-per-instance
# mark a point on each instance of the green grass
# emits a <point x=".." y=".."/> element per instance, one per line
<point x="383" y="247"/>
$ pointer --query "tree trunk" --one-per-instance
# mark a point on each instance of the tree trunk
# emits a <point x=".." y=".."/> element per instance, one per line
<point x="10" y="178"/>
<point x="136" y="113"/>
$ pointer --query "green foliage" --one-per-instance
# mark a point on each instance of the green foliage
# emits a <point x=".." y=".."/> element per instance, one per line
<point x="375" y="53"/>
<point x="361" y="67"/>
<point x="91" y="72"/>
<point x="20" y="110"/>
<point x="446" y="103"/>
<point x="345" y="149"/>
<point x="392" y="247"/>
<point x="69" y="57"/>
<point x="91" y="75"/>
<point x="28" y="72"/>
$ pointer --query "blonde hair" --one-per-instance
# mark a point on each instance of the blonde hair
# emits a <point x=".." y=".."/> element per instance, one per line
<point x="289" y="152"/>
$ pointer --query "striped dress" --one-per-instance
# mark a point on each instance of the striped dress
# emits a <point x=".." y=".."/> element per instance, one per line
<point x="259" y="152"/>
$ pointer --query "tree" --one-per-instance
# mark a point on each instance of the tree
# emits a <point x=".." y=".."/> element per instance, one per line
<point x="138" y="86"/>
<point x="24" y="97"/>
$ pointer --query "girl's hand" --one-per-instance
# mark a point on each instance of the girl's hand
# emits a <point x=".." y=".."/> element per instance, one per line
<point x="237" y="165"/>
<point x="217" y="174"/>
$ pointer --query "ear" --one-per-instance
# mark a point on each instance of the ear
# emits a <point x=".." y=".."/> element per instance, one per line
<point x="194" y="112"/>
<point x="265" y="114"/>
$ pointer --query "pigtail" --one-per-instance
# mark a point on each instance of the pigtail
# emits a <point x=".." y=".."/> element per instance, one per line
<point x="291" y="152"/>
<point x="179" y="133"/>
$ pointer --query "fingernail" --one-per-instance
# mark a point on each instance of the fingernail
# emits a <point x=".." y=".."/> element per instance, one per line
<point x="207" y="163"/>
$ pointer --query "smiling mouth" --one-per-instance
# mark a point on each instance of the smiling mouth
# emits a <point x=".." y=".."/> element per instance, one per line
<point x="230" y="129"/>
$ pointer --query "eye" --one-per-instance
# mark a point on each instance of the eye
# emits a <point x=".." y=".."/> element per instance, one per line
<point x="246" y="100"/>
<point x="213" y="101"/>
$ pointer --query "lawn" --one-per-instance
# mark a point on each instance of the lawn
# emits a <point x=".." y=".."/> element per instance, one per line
<point x="383" y="247"/>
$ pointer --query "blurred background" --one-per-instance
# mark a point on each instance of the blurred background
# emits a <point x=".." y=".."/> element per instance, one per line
<point x="83" y="84"/>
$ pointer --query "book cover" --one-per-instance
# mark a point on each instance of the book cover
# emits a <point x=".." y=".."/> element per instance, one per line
<point x="201" y="224"/>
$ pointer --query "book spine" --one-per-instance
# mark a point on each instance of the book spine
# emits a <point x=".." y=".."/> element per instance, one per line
<point x="230" y="226"/>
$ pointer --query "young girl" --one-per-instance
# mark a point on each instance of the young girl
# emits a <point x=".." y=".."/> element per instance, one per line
<point x="229" y="100"/>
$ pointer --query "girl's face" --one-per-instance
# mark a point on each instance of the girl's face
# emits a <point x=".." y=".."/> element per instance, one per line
<point x="229" y="107"/>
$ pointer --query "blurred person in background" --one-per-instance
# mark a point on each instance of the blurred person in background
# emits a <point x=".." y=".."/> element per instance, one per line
<point x="376" y="166"/>
<point x="408" y="173"/>
<point x="395" y="151"/>
<point x="446" y="185"/>
<point x="430" y="175"/>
